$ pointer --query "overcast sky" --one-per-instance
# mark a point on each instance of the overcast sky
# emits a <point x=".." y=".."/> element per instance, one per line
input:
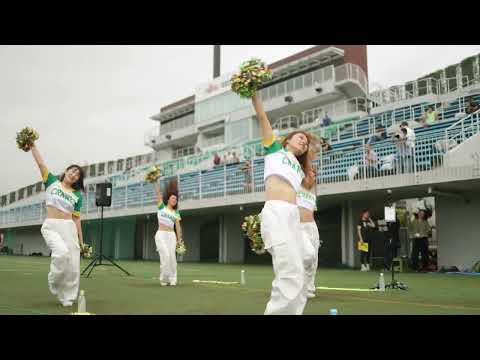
<point x="92" y="103"/>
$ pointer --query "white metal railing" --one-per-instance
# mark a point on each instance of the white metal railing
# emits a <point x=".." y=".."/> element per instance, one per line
<point x="334" y="167"/>
<point x="352" y="72"/>
<point x="427" y="86"/>
<point x="463" y="129"/>
<point x="286" y="122"/>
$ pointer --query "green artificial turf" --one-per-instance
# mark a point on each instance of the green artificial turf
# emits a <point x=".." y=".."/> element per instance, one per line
<point x="24" y="290"/>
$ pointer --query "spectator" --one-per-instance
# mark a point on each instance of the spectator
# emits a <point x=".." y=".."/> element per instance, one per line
<point x="216" y="159"/>
<point x="419" y="230"/>
<point x="370" y="161"/>
<point x="410" y="132"/>
<point x="364" y="230"/>
<point x="430" y="117"/>
<point x="247" y="171"/>
<point x="325" y="145"/>
<point x="404" y="151"/>
<point x="326" y="121"/>
<point x="235" y="159"/>
<point x="380" y="134"/>
<point x="471" y="106"/>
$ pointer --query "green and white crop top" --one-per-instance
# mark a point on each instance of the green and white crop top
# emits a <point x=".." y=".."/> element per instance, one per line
<point x="56" y="196"/>
<point x="306" y="199"/>
<point x="166" y="216"/>
<point x="283" y="163"/>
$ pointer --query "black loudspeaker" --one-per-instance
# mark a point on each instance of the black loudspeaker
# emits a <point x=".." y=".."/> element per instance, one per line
<point x="103" y="194"/>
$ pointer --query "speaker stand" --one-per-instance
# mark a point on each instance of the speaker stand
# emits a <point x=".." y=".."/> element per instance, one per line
<point x="97" y="259"/>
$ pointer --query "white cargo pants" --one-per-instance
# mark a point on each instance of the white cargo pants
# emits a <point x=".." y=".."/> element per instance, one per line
<point x="280" y="227"/>
<point x="311" y="241"/>
<point x="166" y="242"/>
<point x="64" y="277"/>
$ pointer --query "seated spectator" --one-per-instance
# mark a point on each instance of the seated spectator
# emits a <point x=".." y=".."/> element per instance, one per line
<point x="235" y="159"/>
<point x="216" y="159"/>
<point x="326" y="121"/>
<point x="471" y="106"/>
<point x="430" y="117"/>
<point x="325" y="145"/>
<point x="380" y="134"/>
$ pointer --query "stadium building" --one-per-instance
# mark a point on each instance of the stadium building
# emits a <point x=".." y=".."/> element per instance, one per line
<point x="323" y="90"/>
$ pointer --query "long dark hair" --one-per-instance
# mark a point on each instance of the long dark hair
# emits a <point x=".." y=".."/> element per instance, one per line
<point x="304" y="158"/>
<point x="78" y="185"/>
<point x="171" y="189"/>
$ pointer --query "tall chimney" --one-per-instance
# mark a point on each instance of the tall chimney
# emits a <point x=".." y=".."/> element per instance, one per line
<point x="216" y="61"/>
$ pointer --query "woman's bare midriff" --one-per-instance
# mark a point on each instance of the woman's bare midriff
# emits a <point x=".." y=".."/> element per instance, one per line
<point x="162" y="227"/>
<point x="306" y="216"/>
<point x="54" y="213"/>
<point x="276" y="188"/>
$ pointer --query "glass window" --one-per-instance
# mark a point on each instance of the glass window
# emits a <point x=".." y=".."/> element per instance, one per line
<point x="92" y="170"/>
<point x="281" y="89"/>
<point x="129" y="163"/>
<point x="4" y="200"/>
<point x="38" y="187"/>
<point x="30" y="190"/>
<point x="120" y="165"/>
<point x="318" y="76"/>
<point x="149" y="158"/>
<point x="308" y="80"/>
<point x="138" y="160"/>
<point x="327" y="73"/>
<point x="110" y="167"/>
<point x="272" y="91"/>
<point x="12" y="197"/>
<point x="290" y="86"/>
<point x="298" y="83"/>
<point x="20" y="194"/>
<point x="85" y="171"/>
<point x="101" y="169"/>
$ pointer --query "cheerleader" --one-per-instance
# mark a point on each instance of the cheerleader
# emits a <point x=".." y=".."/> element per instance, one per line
<point x="285" y="166"/>
<point x="62" y="228"/>
<point x="165" y="239"/>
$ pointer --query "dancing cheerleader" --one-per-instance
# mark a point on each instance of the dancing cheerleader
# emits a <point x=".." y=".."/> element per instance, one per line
<point x="285" y="167"/>
<point x="307" y="205"/>
<point x="165" y="239"/>
<point x="62" y="228"/>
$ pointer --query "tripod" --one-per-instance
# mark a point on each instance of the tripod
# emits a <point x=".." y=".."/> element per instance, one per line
<point x="97" y="260"/>
<point x="394" y="284"/>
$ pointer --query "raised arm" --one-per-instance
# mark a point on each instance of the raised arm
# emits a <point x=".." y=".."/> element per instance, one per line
<point x="267" y="132"/>
<point x="39" y="160"/>
<point x="158" y="192"/>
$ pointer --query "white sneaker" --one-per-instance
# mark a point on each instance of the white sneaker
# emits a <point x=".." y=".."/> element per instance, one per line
<point x="363" y="268"/>
<point x="310" y="295"/>
<point x="367" y="267"/>
<point x="67" y="303"/>
<point x="163" y="283"/>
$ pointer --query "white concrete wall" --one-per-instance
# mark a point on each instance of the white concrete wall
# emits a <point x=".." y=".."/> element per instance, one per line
<point x="458" y="231"/>
<point x="32" y="241"/>
<point x="464" y="154"/>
